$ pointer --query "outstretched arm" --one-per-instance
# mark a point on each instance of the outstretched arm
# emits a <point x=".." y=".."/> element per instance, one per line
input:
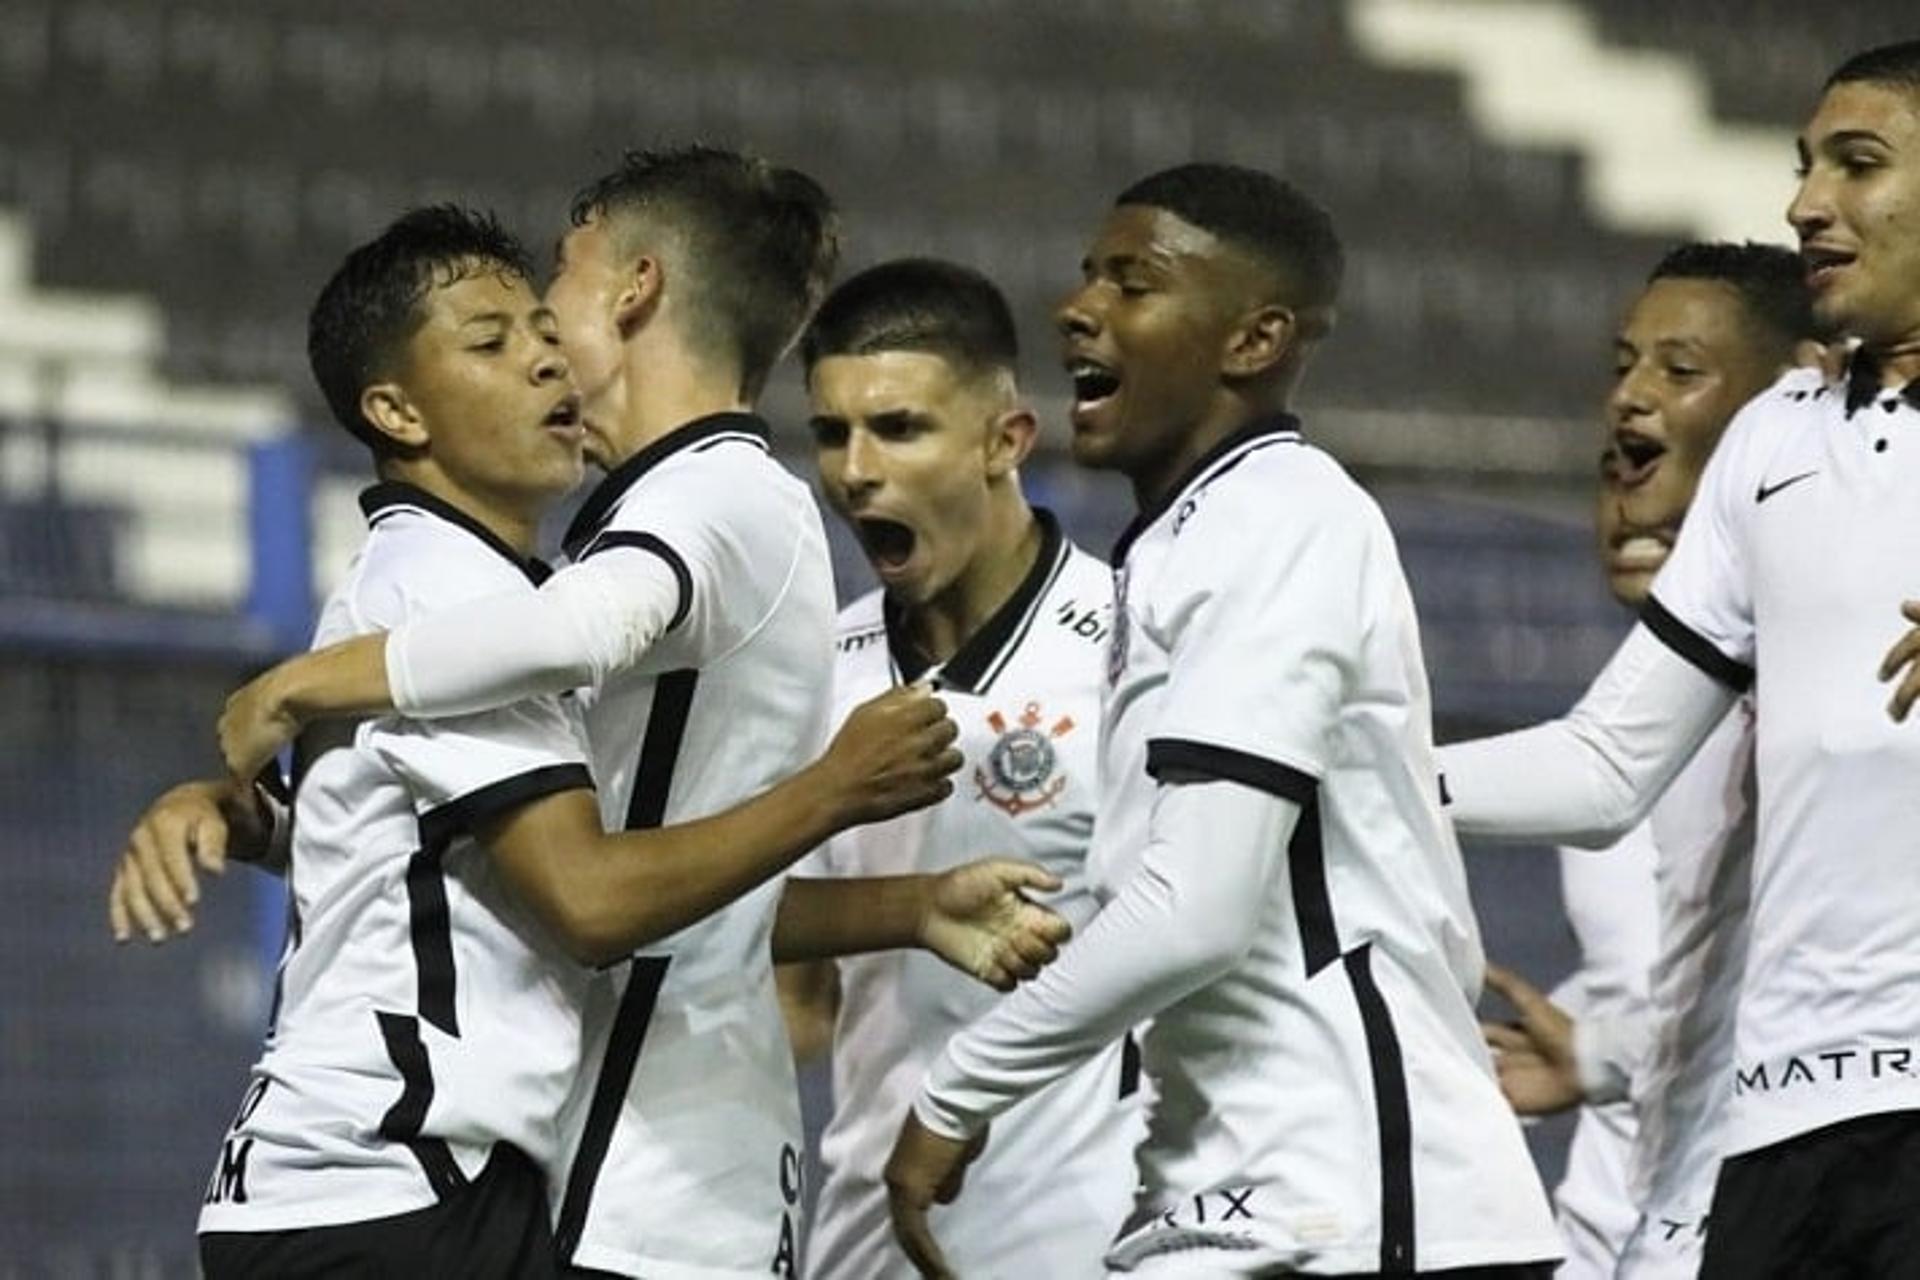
<point x="1588" y="778"/>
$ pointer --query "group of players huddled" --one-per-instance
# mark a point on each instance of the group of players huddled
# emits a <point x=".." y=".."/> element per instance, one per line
<point x="547" y="972"/>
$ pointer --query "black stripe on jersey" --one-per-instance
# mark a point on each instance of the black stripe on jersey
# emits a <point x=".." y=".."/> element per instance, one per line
<point x="1281" y="428"/>
<point x="430" y="926"/>
<point x="406" y="1117"/>
<point x="1184" y="760"/>
<point x="659" y="547"/>
<point x="389" y="495"/>
<point x="599" y="506"/>
<point x="976" y="664"/>
<point x="660" y="748"/>
<point x="1395" y="1116"/>
<point x="1129" y="1065"/>
<point x="1312" y="904"/>
<point x="1694" y="647"/>
<point x="609" y="1095"/>
<point x="466" y="814"/>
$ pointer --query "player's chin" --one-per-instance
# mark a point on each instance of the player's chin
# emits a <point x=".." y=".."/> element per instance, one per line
<point x="1630" y="586"/>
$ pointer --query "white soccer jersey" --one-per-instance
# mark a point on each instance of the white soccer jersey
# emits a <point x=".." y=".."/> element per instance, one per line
<point x="1610" y="902"/>
<point x="423" y="1015"/>
<point x="687" y="1115"/>
<point x="1328" y="1105"/>
<point x="1055" y="1181"/>
<point x="1795" y="557"/>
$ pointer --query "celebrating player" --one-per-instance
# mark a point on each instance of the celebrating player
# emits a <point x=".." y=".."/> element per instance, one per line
<point x="1794" y="554"/>
<point x="1285" y="900"/>
<point x="919" y="432"/>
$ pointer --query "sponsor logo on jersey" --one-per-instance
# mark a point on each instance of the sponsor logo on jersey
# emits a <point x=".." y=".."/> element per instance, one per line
<point x="1827" y="1067"/>
<point x="1021" y="770"/>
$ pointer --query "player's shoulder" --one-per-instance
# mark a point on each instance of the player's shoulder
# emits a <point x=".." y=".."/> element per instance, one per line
<point x="423" y="554"/>
<point x="1785" y="416"/>
<point x="1280" y="486"/>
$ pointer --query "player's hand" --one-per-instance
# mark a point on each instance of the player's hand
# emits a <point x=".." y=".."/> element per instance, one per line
<point x="893" y="755"/>
<point x="156" y="883"/>
<point x="1905" y="653"/>
<point x="256" y="724"/>
<point x="925" y="1169"/>
<point x="1534" y="1057"/>
<point x="979" y="921"/>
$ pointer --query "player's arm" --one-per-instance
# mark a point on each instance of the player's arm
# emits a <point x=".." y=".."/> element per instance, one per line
<point x="1589" y="778"/>
<point x="606" y="895"/>
<point x="591" y="619"/>
<point x="810" y="1002"/>
<point x="1549" y="1059"/>
<point x="193" y="828"/>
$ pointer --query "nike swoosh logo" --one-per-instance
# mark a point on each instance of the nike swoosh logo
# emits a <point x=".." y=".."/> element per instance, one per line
<point x="1768" y="490"/>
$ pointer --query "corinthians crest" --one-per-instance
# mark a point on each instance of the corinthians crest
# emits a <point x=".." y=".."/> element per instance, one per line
<point x="1019" y="774"/>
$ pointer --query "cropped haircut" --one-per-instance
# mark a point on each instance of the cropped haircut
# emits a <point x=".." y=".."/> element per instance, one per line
<point x="761" y="243"/>
<point x="916" y="304"/>
<point x="366" y="313"/>
<point x="1770" y="280"/>
<point x="1259" y="214"/>
<point x="1894" y="65"/>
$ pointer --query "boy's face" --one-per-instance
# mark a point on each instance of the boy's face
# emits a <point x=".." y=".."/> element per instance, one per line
<point x="907" y="447"/>
<point x="588" y="280"/>
<point x="485" y="373"/>
<point x="1686" y="358"/>
<point x="1143" y="338"/>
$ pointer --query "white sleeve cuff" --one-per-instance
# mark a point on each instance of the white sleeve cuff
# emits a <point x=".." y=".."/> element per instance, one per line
<point x="1607" y="1052"/>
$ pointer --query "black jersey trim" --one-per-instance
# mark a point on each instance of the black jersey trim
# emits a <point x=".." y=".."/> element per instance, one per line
<point x="658" y="546"/>
<point x="1172" y="759"/>
<point x="1280" y="428"/>
<point x="383" y="499"/>
<point x="629" y="1033"/>
<point x="1130" y="1065"/>
<point x="430" y="928"/>
<point x="1393" y="1112"/>
<point x="408" y="1115"/>
<point x="463" y="816"/>
<point x="1865" y="385"/>
<point x="599" y="506"/>
<point x="1312" y="903"/>
<point x="660" y="748"/>
<point x="1695" y="648"/>
<point x="985" y="654"/>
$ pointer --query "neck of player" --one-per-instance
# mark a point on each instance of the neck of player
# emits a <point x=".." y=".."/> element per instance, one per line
<point x="1153" y="481"/>
<point x="512" y="517"/>
<point x="1007" y="550"/>
<point x="668" y="386"/>
<point x="1899" y="361"/>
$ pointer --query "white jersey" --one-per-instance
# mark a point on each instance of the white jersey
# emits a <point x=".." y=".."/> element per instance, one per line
<point x="1328" y="1104"/>
<point x="1794" y="559"/>
<point x="1047" y="1195"/>
<point x="422" y="1014"/>
<point x="687" y="1115"/>
<point x="1610" y="902"/>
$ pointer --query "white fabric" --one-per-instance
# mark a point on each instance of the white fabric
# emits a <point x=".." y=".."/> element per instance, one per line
<point x="1587" y="779"/>
<point x="588" y="621"/>
<point x="1800" y="547"/>
<point x="1051" y="1188"/>
<point x="701" y="1175"/>
<point x="1264" y="632"/>
<point x="499" y="1045"/>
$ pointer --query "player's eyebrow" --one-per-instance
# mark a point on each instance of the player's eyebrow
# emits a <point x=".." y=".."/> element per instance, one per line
<point x="486" y="317"/>
<point x="1848" y="137"/>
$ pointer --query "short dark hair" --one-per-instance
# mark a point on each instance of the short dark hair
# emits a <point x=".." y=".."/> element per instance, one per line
<point x="370" y="308"/>
<point x="765" y="240"/>
<point x="916" y="304"/>
<point x="1273" y="220"/>
<point x="1770" y="280"/>
<point x="1895" y="65"/>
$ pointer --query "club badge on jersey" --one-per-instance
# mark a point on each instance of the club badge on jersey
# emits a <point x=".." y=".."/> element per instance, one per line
<point x="1019" y="774"/>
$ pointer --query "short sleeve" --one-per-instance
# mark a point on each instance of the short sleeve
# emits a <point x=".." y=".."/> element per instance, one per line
<point x="1261" y="613"/>
<point x="1701" y="604"/>
<point x="466" y="770"/>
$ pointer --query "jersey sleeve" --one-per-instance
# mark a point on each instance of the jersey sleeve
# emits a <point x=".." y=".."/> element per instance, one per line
<point x="1262" y="619"/>
<point x="466" y="770"/>
<point x="1701" y="604"/>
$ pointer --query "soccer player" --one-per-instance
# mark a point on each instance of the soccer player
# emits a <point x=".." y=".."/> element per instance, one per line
<point x="919" y="432"/>
<point x="451" y="882"/>
<point x="1715" y="325"/>
<point x="698" y="614"/>
<point x="1284" y="898"/>
<point x="1794" y="554"/>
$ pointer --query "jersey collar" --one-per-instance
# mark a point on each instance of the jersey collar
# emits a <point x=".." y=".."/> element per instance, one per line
<point x="1220" y="459"/>
<point x="981" y="657"/>
<point x="697" y="434"/>
<point x="390" y="495"/>
<point x="1863" y="383"/>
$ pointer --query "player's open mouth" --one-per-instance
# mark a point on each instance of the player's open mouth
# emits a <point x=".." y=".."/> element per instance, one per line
<point x="564" y="418"/>
<point x="1634" y="458"/>
<point x="1823" y="263"/>
<point x="1093" y="383"/>
<point x="889" y="544"/>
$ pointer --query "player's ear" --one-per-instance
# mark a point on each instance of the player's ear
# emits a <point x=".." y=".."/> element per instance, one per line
<point x="1828" y="357"/>
<point x="390" y="411"/>
<point x="1263" y="338"/>
<point x="1010" y="438"/>
<point x="639" y="295"/>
